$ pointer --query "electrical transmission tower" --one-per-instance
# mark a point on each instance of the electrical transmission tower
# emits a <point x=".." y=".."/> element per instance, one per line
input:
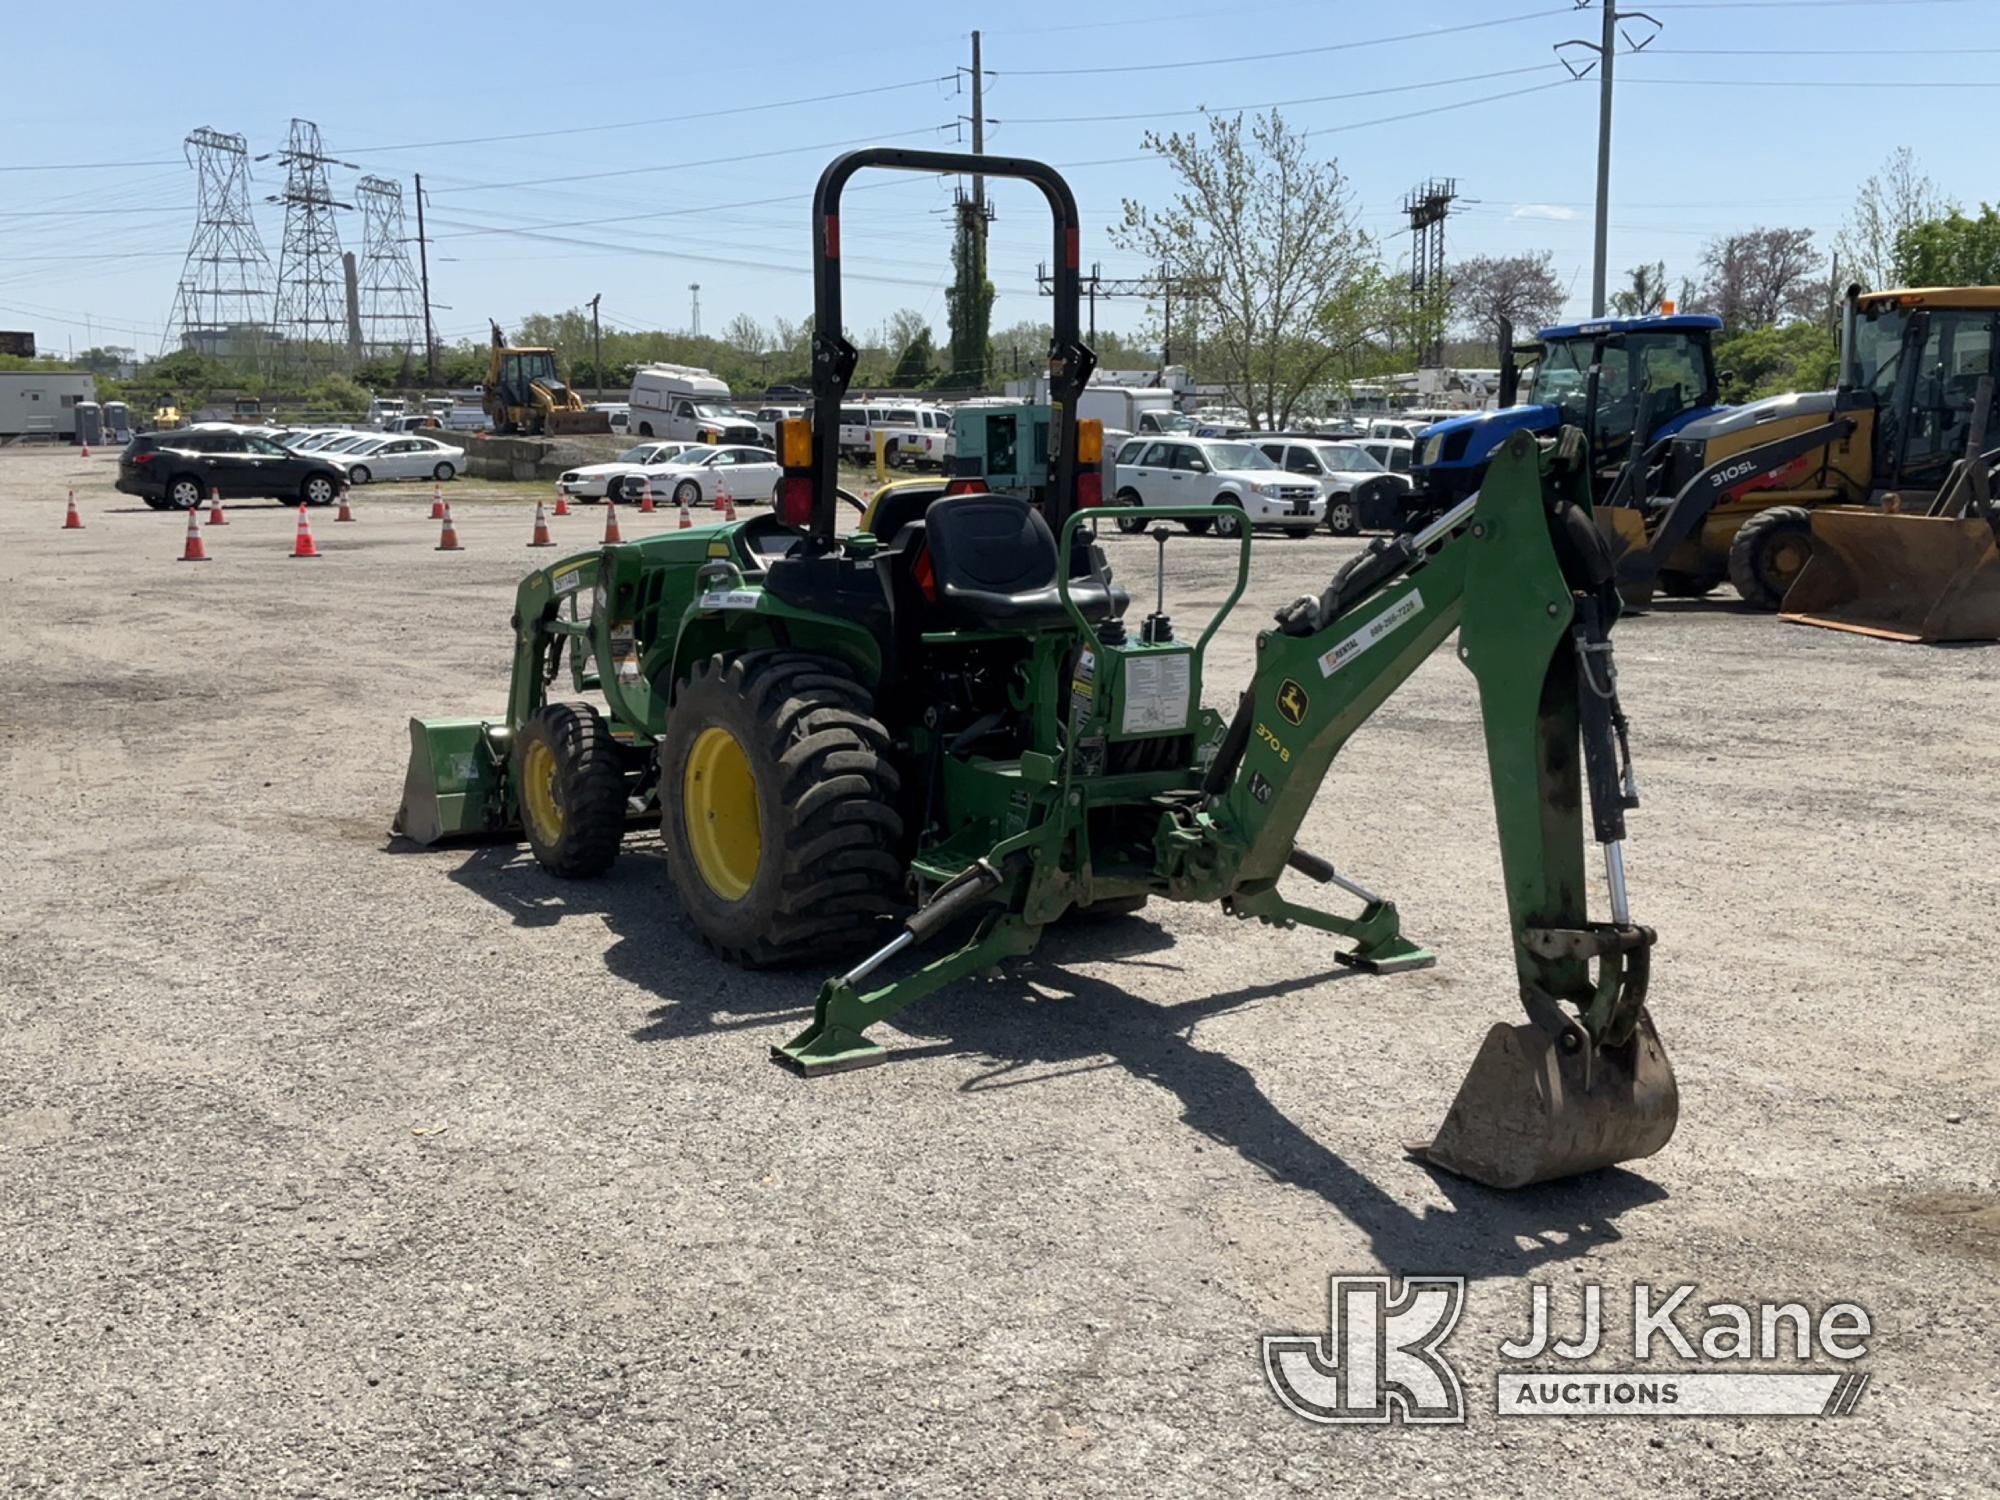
<point x="694" y="312"/>
<point x="1427" y="207"/>
<point x="1164" y="287"/>
<point x="391" y="308"/>
<point x="310" y="315"/>
<point x="225" y="289"/>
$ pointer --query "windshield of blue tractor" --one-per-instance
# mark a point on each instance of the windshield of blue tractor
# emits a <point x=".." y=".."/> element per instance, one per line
<point x="1647" y="379"/>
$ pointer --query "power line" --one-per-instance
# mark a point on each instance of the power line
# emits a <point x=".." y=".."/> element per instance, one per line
<point x="1230" y="109"/>
<point x="706" y="114"/>
<point x="687" y="166"/>
<point x="89" y="166"/>
<point x="1819" y="83"/>
<point x="1216" y="62"/>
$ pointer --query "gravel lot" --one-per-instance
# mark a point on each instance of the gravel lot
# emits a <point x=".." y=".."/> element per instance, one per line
<point x="332" y="1169"/>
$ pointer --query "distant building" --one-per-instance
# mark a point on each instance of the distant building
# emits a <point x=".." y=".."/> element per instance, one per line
<point x="34" y="404"/>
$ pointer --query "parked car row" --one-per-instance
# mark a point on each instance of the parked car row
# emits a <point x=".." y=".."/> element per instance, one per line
<point x="680" y="474"/>
<point x="180" y="469"/>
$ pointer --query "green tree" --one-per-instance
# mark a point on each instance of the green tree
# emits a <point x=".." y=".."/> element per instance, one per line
<point x="968" y="308"/>
<point x="1521" y="290"/>
<point x="1952" y="251"/>
<point x="1644" y="293"/>
<point x="1772" y="360"/>
<point x="1284" y="281"/>
<point x="915" y="366"/>
<point x="1894" y="200"/>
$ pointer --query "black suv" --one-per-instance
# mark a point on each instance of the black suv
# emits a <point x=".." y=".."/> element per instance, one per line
<point x="177" y="470"/>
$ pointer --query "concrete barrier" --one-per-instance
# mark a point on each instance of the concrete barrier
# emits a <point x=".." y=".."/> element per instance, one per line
<point x="536" y="458"/>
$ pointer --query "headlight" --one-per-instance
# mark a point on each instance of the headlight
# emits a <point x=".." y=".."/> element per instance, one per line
<point x="1433" y="451"/>
<point x="1271" y="491"/>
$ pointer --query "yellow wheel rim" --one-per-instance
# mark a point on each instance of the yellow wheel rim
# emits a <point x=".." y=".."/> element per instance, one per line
<point x="719" y="800"/>
<point x="540" y="805"/>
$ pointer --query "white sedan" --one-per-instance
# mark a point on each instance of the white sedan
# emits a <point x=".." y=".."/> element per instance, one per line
<point x="697" y="477"/>
<point x="594" y="481"/>
<point x="400" y="457"/>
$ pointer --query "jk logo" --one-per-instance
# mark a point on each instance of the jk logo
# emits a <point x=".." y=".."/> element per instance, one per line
<point x="1378" y="1360"/>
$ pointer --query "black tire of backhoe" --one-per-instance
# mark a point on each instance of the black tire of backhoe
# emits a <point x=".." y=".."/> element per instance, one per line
<point x="1747" y="553"/>
<point x="1676" y="584"/>
<point x="590" y="776"/>
<point x="828" y="871"/>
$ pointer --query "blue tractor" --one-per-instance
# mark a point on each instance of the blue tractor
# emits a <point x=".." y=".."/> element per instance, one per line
<point x="1628" y="383"/>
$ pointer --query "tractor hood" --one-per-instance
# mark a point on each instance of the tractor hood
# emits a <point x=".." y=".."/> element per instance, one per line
<point x="1467" y="442"/>
<point x="1705" y="427"/>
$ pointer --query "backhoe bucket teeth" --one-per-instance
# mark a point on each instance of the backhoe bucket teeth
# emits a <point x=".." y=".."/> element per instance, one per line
<point x="1625" y="529"/>
<point x="1532" y="1109"/>
<point x="1899" y="577"/>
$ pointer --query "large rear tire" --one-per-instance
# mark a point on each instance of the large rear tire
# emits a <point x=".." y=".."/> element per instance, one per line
<point x="778" y="808"/>
<point x="569" y="786"/>
<point x="1768" y="553"/>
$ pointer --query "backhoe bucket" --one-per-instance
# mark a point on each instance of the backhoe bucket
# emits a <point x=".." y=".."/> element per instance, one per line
<point x="1899" y="577"/>
<point x="1625" y="530"/>
<point x="457" y="781"/>
<point x="1532" y="1110"/>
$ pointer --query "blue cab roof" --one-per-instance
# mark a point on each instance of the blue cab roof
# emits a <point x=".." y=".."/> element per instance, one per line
<point x="1652" y="324"/>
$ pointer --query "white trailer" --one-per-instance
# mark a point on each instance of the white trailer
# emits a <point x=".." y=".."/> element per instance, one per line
<point x="34" y="404"/>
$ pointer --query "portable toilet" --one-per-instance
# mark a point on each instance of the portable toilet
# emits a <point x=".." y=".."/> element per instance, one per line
<point x="89" y="423"/>
<point x="118" y="421"/>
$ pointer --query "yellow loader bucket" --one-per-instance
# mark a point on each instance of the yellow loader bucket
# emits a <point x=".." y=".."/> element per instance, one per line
<point x="1899" y="577"/>
<point x="1624" y="530"/>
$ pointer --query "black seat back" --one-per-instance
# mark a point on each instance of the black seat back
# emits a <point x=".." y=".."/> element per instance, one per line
<point x="990" y="544"/>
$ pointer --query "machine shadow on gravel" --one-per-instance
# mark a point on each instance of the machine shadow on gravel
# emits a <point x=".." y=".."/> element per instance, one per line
<point x="1014" y="1018"/>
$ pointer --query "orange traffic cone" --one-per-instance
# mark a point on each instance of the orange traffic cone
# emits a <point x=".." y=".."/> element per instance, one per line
<point x="303" y="544"/>
<point x="541" y="537"/>
<point x="728" y="505"/>
<point x="611" y="532"/>
<point x="86" y="454"/>
<point x="562" y="499"/>
<point x="73" y="521"/>
<point x="216" y="516"/>
<point x="448" y="538"/>
<point x="646" y="506"/>
<point x="196" y="549"/>
<point x="346" y="510"/>
<point x="437" y="502"/>
<point x="687" y="518"/>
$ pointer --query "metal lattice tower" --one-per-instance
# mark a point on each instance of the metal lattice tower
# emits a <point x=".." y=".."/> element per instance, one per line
<point x="392" y="314"/>
<point x="310" y="314"/>
<point x="225" y="285"/>
<point x="1427" y="207"/>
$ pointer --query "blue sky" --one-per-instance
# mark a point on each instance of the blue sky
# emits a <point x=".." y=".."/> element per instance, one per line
<point x="1803" y="112"/>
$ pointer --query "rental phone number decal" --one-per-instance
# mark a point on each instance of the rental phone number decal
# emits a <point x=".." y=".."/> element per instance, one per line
<point x="1400" y="613"/>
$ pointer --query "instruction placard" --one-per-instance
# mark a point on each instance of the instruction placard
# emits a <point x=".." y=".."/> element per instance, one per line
<point x="1156" y="692"/>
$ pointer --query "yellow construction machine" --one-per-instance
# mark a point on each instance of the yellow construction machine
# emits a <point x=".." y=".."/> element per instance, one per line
<point x="525" y="395"/>
<point x="1858" y="508"/>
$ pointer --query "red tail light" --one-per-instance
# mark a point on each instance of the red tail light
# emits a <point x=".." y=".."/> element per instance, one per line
<point x="1089" y="489"/>
<point x="966" y="487"/>
<point x="925" y="575"/>
<point x="143" y="458"/>
<point x="795" y="505"/>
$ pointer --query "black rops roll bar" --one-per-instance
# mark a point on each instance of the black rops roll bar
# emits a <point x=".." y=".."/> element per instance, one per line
<point x="1070" y="359"/>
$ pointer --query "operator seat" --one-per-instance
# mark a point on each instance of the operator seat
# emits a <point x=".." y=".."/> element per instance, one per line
<point x="993" y="559"/>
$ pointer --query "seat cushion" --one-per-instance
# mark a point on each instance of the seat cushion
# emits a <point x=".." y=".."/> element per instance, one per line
<point x="994" y="560"/>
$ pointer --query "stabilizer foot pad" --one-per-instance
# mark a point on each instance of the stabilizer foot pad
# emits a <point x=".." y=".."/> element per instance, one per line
<point x="867" y="1055"/>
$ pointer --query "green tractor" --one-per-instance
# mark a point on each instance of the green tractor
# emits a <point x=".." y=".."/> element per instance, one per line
<point x="927" y="740"/>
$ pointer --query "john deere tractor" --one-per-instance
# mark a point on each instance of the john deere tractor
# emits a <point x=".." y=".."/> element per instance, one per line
<point x="927" y="740"/>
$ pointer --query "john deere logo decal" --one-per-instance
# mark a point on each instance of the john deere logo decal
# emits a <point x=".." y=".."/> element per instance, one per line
<point x="1292" y="703"/>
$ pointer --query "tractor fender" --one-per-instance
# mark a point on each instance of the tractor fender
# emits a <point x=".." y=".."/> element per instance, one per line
<point x="746" y="618"/>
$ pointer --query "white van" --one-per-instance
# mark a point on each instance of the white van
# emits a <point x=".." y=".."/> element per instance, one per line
<point x="383" y="409"/>
<point x="680" y="401"/>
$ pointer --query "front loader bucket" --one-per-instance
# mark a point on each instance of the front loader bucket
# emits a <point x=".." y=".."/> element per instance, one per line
<point x="457" y="781"/>
<point x="1625" y="530"/>
<point x="1899" y="577"/>
<point x="1532" y="1110"/>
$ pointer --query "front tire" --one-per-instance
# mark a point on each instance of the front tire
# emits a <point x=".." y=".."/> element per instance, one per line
<point x="1227" y="524"/>
<point x="444" y="472"/>
<point x="1769" y="551"/>
<point x="687" y="493"/>
<point x="569" y="787"/>
<point x="317" y="490"/>
<point x="359" y="474"/>
<point x="1130" y="524"/>
<point x="1343" y="516"/>
<point x="778" y="808"/>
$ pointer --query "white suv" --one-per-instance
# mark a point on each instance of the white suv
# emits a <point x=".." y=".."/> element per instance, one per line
<point x="1234" y="477"/>
<point x="1361" y="495"/>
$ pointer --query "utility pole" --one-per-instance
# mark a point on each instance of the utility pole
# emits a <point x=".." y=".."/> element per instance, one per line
<point x="694" y="311"/>
<point x="978" y="133"/>
<point x="424" y="262"/>
<point x="596" y="345"/>
<point x="1606" y="48"/>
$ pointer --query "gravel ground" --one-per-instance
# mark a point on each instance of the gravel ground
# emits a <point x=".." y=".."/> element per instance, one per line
<point x="332" y="1169"/>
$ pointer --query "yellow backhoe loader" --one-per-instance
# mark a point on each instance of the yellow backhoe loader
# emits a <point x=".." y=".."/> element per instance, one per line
<point x="524" y="394"/>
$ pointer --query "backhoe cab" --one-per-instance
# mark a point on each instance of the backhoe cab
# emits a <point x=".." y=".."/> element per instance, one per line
<point x="925" y="741"/>
<point x="525" y="395"/>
